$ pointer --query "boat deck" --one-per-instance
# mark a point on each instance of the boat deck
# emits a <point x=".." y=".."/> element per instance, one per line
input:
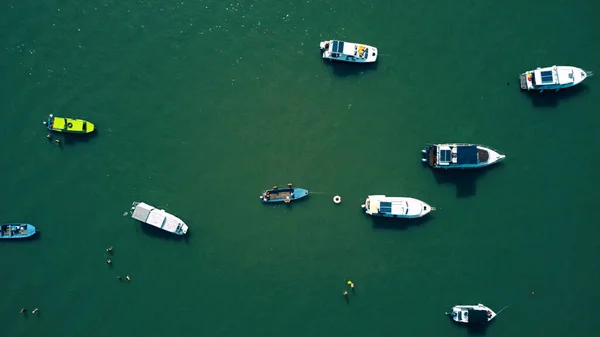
<point x="432" y="157"/>
<point x="523" y="78"/>
<point x="12" y="231"/>
<point x="280" y="195"/>
<point x="483" y="155"/>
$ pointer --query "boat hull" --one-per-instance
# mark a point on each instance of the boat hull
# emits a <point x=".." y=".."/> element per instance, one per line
<point x="487" y="156"/>
<point x="282" y="194"/>
<point x="158" y="218"/>
<point x="396" y="207"/>
<point x="563" y="77"/>
<point x="327" y="52"/>
<point x="69" y="125"/>
<point x="16" y="231"/>
<point x="471" y="314"/>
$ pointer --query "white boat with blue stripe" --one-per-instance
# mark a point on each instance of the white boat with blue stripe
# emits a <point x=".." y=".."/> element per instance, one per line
<point x="348" y="51"/>
<point x="158" y="218"/>
<point x="553" y="78"/>
<point x="396" y="207"/>
<point x="462" y="156"/>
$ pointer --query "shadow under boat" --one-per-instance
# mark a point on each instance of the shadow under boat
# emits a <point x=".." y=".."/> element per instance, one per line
<point x="344" y="69"/>
<point x="380" y="222"/>
<point x="465" y="180"/>
<point x="162" y="234"/>
<point x="551" y="98"/>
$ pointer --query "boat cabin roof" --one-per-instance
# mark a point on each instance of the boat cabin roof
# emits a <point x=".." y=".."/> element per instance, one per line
<point x="348" y="48"/>
<point x="477" y="316"/>
<point x="459" y="154"/>
<point x="393" y="207"/>
<point x="545" y="77"/>
<point x="155" y="217"/>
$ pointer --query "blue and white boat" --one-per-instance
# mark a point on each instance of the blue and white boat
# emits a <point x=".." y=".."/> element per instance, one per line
<point x="158" y="218"/>
<point x="16" y="230"/>
<point x="462" y="156"/>
<point x="396" y="207"/>
<point x="348" y="51"/>
<point x="286" y="194"/>
<point x="472" y="314"/>
<point x="553" y="78"/>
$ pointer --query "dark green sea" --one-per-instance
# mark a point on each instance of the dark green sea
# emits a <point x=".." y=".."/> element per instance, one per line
<point x="200" y="105"/>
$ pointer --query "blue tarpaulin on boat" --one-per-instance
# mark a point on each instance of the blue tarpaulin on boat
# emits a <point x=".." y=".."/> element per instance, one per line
<point x="445" y="156"/>
<point x="547" y="76"/>
<point x="467" y="154"/>
<point x="385" y="207"/>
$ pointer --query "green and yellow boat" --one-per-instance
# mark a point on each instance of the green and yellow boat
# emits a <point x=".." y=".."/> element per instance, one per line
<point x="69" y="125"/>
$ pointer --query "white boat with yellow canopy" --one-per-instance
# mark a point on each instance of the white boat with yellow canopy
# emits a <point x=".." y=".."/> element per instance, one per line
<point x="348" y="51"/>
<point x="68" y="125"/>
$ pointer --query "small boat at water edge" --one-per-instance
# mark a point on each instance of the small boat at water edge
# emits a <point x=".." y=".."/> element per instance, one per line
<point x="553" y="78"/>
<point x="286" y="194"/>
<point x="396" y="207"/>
<point x="471" y="314"/>
<point x="348" y="51"/>
<point x="16" y="230"/>
<point x="463" y="156"/>
<point x="68" y="125"/>
<point x="158" y="218"/>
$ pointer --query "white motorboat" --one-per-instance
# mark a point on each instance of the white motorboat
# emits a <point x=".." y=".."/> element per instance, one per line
<point x="348" y="51"/>
<point x="396" y="207"/>
<point x="471" y="314"/>
<point x="158" y="218"/>
<point x="451" y="156"/>
<point x="553" y="78"/>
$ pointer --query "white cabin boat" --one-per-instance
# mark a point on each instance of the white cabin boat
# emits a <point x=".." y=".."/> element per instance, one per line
<point x="158" y="218"/>
<point x="451" y="156"/>
<point x="396" y="207"/>
<point x="553" y="78"/>
<point x="471" y="314"/>
<point x="348" y="51"/>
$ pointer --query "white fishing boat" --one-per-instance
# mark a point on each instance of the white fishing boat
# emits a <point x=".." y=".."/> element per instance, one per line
<point x="553" y="78"/>
<point x="396" y="207"/>
<point x="471" y="314"/>
<point x="158" y="218"/>
<point x="348" y="51"/>
<point x="452" y="156"/>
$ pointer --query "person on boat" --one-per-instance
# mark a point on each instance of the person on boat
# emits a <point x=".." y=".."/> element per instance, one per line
<point x="109" y="249"/>
<point x="23" y="310"/>
<point x="35" y="311"/>
<point x="108" y="261"/>
<point x="127" y="277"/>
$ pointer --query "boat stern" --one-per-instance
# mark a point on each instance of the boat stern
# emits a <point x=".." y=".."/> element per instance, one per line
<point x="526" y="80"/>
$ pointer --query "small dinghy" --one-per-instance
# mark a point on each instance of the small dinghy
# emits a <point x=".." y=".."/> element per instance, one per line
<point x="16" y="230"/>
<point x="287" y="194"/>
<point x="68" y="125"/>
<point x="472" y="314"/>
